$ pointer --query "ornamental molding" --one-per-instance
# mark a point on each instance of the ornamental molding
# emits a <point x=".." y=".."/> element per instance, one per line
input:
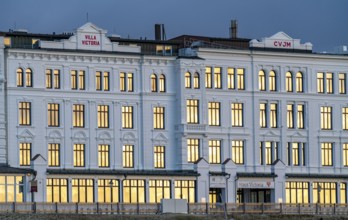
<point x="26" y="135"/>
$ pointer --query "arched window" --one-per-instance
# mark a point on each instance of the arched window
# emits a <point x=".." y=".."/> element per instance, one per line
<point x="28" y="78"/>
<point x="187" y="80"/>
<point x="299" y="82"/>
<point x="153" y="83"/>
<point x="20" y="78"/>
<point x="262" y="81"/>
<point x="162" y="83"/>
<point x="272" y="81"/>
<point x="196" y="81"/>
<point x="288" y="82"/>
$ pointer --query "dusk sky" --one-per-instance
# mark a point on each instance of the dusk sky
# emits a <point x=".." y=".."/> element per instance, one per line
<point x="324" y="23"/>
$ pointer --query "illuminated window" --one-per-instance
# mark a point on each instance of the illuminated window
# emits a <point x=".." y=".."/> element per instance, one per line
<point x="214" y="195"/>
<point x="162" y="83"/>
<point x="123" y="84"/>
<point x="268" y="152"/>
<point x="343" y="193"/>
<point x="79" y="155"/>
<point x="128" y="156"/>
<point x="153" y="83"/>
<point x="185" y="189"/>
<point x="290" y="116"/>
<point x="127" y="117"/>
<point x="24" y="154"/>
<point x="28" y="78"/>
<point x="134" y="191"/>
<point x="345" y="154"/>
<point x="326" y="118"/>
<point x="300" y="117"/>
<point x="342" y="83"/>
<point x="288" y="82"/>
<point x="20" y="77"/>
<point x="214" y="151"/>
<point x="296" y="153"/>
<point x="240" y="79"/>
<point x="196" y="84"/>
<point x="108" y="191"/>
<point x="325" y="83"/>
<point x="214" y="113"/>
<point x="299" y="82"/>
<point x="297" y="192"/>
<point x="345" y="118"/>
<point x="53" y="155"/>
<point x="192" y="150"/>
<point x="238" y="152"/>
<point x="192" y="114"/>
<point x="103" y="155"/>
<point x="24" y="113"/>
<point x="77" y="79"/>
<point x="11" y="188"/>
<point x="208" y="77"/>
<point x="158" y="117"/>
<point x="237" y="114"/>
<point x="187" y="80"/>
<point x="130" y="82"/>
<point x="159" y="189"/>
<point x="102" y="81"/>
<point x="103" y="116"/>
<point x="126" y="82"/>
<point x="78" y="115"/>
<point x="329" y="83"/>
<point x="263" y="115"/>
<point x="53" y="114"/>
<point x="230" y="78"/>
<point x="272" y="81"/>
<point x="326" y="154"/>
<point x="320" y="82"/>
<point x="217" y="77"/>
<point x="82" y="190"/>
<point x="52" y="79"/>
<point x="324" y="192"/>
<point x="159" y="156"/>
<point x="57" y="190"/>
<point x="7" y="41"/>
<point x="262" y="81"/>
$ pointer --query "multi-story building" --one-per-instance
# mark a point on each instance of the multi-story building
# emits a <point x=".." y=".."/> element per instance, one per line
<point x="89" y="118"/>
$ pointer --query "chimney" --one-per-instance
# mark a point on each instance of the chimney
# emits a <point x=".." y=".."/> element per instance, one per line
<point x="233" y="29"/>
<point x="158" y="32"/>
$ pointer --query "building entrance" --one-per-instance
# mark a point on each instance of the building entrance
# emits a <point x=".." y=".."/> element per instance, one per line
<point x="260" y="195"/>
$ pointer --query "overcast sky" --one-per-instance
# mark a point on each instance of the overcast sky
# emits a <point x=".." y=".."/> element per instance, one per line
<point x="324" y="23"/>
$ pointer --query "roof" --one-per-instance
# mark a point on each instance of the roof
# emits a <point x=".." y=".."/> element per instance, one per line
<point x="5" y="169"/>
<point x="316" y="176"/>
<point x="258" y="175"/>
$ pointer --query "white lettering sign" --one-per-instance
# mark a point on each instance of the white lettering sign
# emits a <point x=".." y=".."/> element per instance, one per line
<point x="255" y="184"/>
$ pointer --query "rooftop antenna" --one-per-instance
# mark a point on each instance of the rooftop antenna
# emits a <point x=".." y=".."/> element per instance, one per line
<point x="87" y="17"/>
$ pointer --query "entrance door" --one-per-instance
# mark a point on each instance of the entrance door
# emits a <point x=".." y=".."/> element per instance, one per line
<point x="260" y="195"/>
<point x="215" y="195"/>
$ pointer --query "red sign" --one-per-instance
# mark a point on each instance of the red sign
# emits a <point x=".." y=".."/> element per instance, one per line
<point x="90" y="40"/>
<point x="284" y="44"/>
<point x="33" y="186"/>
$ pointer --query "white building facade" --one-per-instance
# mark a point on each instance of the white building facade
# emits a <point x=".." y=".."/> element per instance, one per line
<point x="86" y="119"/>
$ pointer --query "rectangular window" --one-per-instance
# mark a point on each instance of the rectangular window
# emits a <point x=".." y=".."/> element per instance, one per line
<point x="342" y="83"/>
<point x="77" y="79"/>
<point x="326" y="154"/>
<point x="134" y="191"/>
<point x="240" y="79"/>
<point x="263" y="115"/>
<point x="78" y="116"/>
<point x="345" y="118"/>
<point x="158" y="117"/>
<point x="297" y="192"/>
<point x="82" y="190"/>
<point x="130" y="82"/>
<point x="320" y="82"/>
<point x="79" y="155"/>
<point x="53" y="115"/>
<point x="273" y="115"/>
<point x="237" y="114"/>
<point x="103" y="155"/>
<point x="217" y="77"/>
<point x="185" y="189"/>
<point x="268" y="152"/>
<point x="300" y="117"/>
<point x="159" y="189"/>
<point x="24" y="154"/>
<point x="81" y="83"/>
<point x="11" y="188"/>
<point x="192" y="113"/>
<point x="343" y="193"/>
<point x="53" y="155"/>
<point x="238" y="152"/>
<point x="108" y="191"/>
<point x="230" y="78"/>
<point x="214" y="113"/>
<point x="52" y="79"/>
<point x="290" y="116"/>
<point x="103" y="116"/>
<point x="329" y="83"/>
<point x="345" y="154"/>
<point x="57" y="190"/>
<point x="24" y="113"/>
<point x="208" y="77"/>
<point x="192" y="150"/>
<point x="159" y="156"/>
<point x="214" y="151"/>
<point x="123" y="85"/>
<point x="49" y="80"/>
<point x="56" y="79"/>
<point x="127" y="117"/>
<point x="324" y="192"/>
<point x="73" y="79"/>
<point x="102" y="81"/>
<point x="326" y="118"/>
<point x="128" y="156"/>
